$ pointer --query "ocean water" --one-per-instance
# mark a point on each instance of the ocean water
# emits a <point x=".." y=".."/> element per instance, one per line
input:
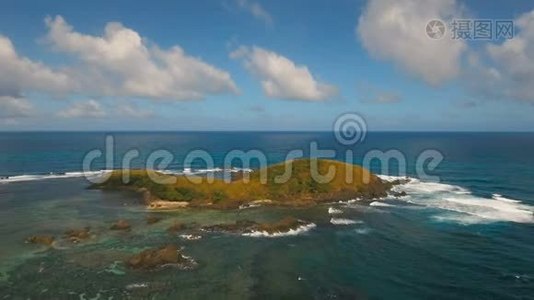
<point x="469" y="235"/>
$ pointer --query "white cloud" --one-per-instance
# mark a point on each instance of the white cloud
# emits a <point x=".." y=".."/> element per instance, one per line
<point x="131" y="110"/>
<point x="394" y="30"/>
<point x="85" y="109"/>
<point x="511" y="74"/>
<point x="18" y="74"/>
<point x="282" y="78"/>
<point x="14" y="107"/>
<point x="121" y="63"/>
<point x="256" y="10"/>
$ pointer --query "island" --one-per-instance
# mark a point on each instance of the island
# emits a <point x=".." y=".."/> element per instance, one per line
<point x="349" y="182"/>
<point x="261" y="187"/>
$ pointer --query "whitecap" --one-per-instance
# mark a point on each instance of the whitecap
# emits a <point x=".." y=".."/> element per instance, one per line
<point x="190" y="237"/>
<point x="502" y="198"/>
<point x="133" y="286"/>
<point x="380" y="204"/>
<point x="340" y="221"/>
<point x="363" y="230"/>
<point x="299" y="230"/>
<point x="391" y="178"/>
<point x="334" y="211"/>
<point x="249" y="205"/>
<point x="23" y="178"/>
<point x="460" y="200"/>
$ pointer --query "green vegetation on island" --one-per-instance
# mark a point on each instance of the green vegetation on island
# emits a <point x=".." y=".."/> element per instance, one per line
<point x="299" y="189"/>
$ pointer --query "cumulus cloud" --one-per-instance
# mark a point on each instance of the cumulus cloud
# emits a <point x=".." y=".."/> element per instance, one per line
<point x="118" y="63"/>
<point x="132" y="110"/>
<point x="122" y="63"/>
<point x="18" y="74"/>
<point x="86" y="109"/>
<point x="394" y="30"/>
<point x="256" y="10"/>
<point x="511" y="74"/>
<point x="15" y="107"/>
<point x="282" y="78"/>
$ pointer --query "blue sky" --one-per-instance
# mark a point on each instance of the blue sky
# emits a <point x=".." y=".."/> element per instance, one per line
<point x="261" y="65"/>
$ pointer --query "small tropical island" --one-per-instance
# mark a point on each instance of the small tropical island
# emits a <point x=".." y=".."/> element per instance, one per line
<point x="299" y="189"/>
<point x="262" y="187"/>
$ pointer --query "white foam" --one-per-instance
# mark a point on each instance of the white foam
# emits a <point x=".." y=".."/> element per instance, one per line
<point x="93" y="174"/>
<point x="350" y="201"/>
<point x="334" y="211"/>
<point x="133" y="286"/>
<point x="22" y="178"/>
<point x="299" y="230"/>
<point x="190" y="237"/>
<point x="391" y="178"/>
<point x="501" y="198"/>
<point x="340" y="221"/>
<point x="462" y="201"/>
<point x="364" y="230"/>
<point x="380" y="204"/>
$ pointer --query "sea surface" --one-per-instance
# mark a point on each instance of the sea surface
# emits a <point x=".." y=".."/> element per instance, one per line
<point x="468" y="232"/>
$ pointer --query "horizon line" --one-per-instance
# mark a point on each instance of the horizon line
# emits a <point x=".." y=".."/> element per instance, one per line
<point x="260" y="131"/>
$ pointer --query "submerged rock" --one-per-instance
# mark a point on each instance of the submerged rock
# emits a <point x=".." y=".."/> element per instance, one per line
<point x="46" y="240"/>
<point x="78" y="235"/>
<point x="152" y="220"/>
<point x="245" y="226"/>
<point x="153" y="258"/>
<point x="239" y="226"/>
<point x="120" y="225"/>
<point x="284" y="225"/>
<point x="399" y="194"/>
<point x="177" y="226"/>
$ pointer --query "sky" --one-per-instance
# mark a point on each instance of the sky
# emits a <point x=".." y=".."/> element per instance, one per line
<point x="262" y="65"/>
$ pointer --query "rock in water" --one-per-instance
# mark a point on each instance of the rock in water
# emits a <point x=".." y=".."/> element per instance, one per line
<point x="46" y="240"/>
<point x="399" y="194"/>
<point x="78" y="235"/>
<point x="152" y="258"/>
<point x="176" y="227"/>
<point x="239" y="226"/>
<point x="284" y="225"/>
<point x="152" y="220"/>
<point x="120" y="225"/>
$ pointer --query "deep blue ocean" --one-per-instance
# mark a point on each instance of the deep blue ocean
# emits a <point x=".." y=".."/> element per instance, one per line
<point x="469" y="235"/>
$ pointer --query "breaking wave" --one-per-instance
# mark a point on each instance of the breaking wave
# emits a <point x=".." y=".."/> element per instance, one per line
<point x="466" y="207"/>
<point x="380" y="204"/>
<point x="22" y="178"/>
<point x="341" y="221"/>
<point x="334" y="211"/>
<point x="94" y="174"/>
<point x="299" y="230"/>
